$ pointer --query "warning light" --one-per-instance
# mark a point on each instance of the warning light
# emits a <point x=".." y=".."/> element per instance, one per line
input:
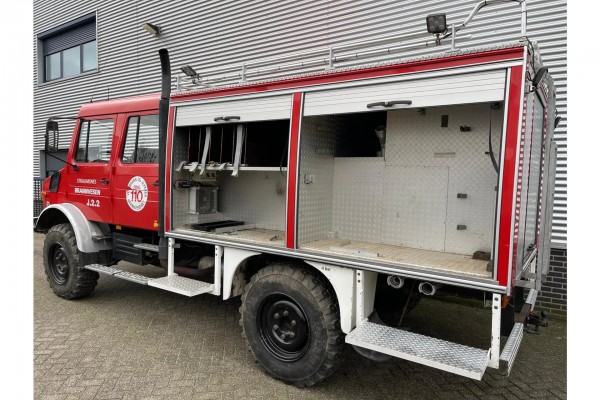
<point x="436" y="23"/>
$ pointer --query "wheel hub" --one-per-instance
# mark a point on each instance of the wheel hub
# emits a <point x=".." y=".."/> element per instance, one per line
<point x="283" y="327"/>
<point x="59" y="264"/>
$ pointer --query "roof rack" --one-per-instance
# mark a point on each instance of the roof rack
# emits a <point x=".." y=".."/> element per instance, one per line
<point x="329" y="56"/>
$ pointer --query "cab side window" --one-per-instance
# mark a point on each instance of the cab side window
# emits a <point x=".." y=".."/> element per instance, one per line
<point x="95" y="141"/>
<point x="141" y="140"/>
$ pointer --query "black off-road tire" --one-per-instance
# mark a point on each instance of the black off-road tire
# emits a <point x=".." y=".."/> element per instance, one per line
<point x="292" y="293"/>
<point x="62" y="264"/>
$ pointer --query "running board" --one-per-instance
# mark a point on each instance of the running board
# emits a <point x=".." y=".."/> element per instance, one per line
<point x="118" y="273"/>
<point x="173" y="283"/>
<point x="447" y="356"/>
<point x="146" y="246"/>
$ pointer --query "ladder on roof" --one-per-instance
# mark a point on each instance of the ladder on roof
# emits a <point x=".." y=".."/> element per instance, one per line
<point x="329" y="56"/>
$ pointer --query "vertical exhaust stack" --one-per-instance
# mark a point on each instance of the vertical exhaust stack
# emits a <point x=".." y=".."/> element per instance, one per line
<point x="163" y="118"/>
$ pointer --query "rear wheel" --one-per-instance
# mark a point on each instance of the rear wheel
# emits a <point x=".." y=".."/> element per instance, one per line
<point x="291" y="323"/>
<point x="62" y="264"/>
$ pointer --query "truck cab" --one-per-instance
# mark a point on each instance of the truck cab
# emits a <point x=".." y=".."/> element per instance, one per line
<point x="111" y="174"/>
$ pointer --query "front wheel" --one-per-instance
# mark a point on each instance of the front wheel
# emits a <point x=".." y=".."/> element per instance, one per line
<point x="62" y="264"/>
<point x="291" y="323"/>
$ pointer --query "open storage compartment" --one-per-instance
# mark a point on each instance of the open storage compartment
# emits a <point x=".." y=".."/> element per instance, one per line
<point x="419" y="189"/>
<point x="230" y="171"/>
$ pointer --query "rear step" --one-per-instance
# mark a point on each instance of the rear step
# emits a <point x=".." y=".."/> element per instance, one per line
<point x="173" y="283"/>
<point x="452" y="357"/>
<point x="509" y="353"/>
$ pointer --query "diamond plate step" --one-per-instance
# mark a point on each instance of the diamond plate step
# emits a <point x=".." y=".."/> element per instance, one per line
<point x="181" y="285"/>
<point x="146" y="246"/>
<point x="509" y="353"/>
<point x="103" y="269"/>
<point x="452" y="357"/>
<point x="119" y="273"/>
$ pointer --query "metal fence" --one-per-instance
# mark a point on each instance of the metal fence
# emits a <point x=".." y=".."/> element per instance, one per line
<point x="37" y="197"/>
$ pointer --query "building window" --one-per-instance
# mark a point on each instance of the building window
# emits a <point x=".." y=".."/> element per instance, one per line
<point x="141" y="142"/>
<point x="69" y="49"/>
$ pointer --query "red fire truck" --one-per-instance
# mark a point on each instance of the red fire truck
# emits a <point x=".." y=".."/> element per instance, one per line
<point x="330" y="201"/>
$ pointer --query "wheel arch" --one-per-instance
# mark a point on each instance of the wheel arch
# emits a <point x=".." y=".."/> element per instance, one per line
<point x="342" y="281"/>
<point x="235" y="277"/>
<point x="84" y="229"/>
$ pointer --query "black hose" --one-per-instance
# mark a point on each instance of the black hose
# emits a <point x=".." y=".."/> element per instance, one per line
<point x="491" y="151"/>
<point x="281" y="161"/>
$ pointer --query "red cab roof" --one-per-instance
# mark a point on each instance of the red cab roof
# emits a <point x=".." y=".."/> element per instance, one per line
<point x="126" y="104"/>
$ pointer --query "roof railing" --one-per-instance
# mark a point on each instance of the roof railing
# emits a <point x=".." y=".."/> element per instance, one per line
<point x="329" y="56"/>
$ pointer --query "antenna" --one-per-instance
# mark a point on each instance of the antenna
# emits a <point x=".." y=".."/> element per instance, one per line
<point x="100" y="63"/>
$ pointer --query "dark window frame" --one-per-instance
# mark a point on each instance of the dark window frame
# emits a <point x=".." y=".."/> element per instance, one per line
<point x="81" y="70"/>
<point x="79" y="33"/>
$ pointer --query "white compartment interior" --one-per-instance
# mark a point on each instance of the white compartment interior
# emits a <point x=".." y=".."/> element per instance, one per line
<point x="257" y="196"/>
<point x="407" y="199"/>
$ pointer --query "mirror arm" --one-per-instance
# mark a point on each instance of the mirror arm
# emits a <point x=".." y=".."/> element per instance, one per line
<point x="75" y="167"/>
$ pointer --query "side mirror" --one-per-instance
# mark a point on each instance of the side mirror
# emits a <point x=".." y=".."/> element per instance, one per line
<point x="51" y="139"/>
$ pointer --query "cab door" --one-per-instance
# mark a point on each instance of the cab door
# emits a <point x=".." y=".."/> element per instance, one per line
<point x="135" y="172"/>
<point x="89" y="184"/>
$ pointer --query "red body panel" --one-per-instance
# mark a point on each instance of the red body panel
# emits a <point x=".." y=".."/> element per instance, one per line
<point x="169" y="149"/>
<point x="513" y="129"/>
<point x="293" y="170"/>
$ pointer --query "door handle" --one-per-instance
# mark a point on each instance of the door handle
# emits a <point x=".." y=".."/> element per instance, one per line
<point x="156" y="183"/>
<point x="389" y="103"/>
<point x="104" y="181"/>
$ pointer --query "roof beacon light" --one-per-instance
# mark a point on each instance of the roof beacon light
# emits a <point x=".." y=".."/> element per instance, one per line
<point x="436" y="23"/>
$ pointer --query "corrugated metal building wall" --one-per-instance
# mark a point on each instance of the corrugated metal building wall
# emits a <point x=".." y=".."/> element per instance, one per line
<point x="216" y="33"/>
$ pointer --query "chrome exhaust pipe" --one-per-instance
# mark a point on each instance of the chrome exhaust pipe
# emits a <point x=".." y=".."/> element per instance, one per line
<point x="428" y="288"/>
<point x="395" y="281"/>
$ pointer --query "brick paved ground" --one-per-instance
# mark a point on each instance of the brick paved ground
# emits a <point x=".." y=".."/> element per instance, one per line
<point x="128" y="341"/>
